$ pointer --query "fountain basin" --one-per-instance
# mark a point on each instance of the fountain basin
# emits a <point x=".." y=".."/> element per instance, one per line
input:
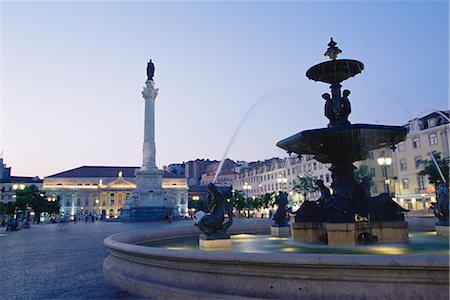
<point x="346" y="142"/>
<point x="335" y="70"/>
<point x="160" y="273"/>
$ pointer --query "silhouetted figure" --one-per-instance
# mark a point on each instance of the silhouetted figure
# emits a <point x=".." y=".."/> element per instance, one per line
<point x="150" y="70"/>
<point x="329" y="113"/>
<point x="441" y="207"/>
<point x="345" y="108"/>
<point x="281" y="216"/>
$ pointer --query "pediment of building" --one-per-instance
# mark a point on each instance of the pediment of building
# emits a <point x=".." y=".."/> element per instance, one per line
<point x="120" y="183"/>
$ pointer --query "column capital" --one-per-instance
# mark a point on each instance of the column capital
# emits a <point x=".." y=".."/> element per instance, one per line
<point x="150" y="92"/>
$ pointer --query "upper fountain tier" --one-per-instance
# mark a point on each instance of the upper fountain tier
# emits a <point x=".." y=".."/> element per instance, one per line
<point x="341" y="141"/>
<point x="334" y="70"/>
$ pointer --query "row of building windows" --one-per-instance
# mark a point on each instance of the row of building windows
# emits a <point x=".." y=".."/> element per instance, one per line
<point x="417" y="163"/>
<point x="432" y="140"/>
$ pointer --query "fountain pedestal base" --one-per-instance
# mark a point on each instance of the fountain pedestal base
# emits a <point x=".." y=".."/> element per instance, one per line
<point x="280" y="231"/>
<point x="308" y="232"/>
<point x="390" y="231"/>
<point x="442" y="230"/>
<point x="350" y="234"/>
<point x="214" y="244"/>
<point x="346" y="234"/>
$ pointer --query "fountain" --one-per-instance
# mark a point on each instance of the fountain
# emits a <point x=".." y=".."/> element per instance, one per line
<point x="333" y="216"/>
<point x="162" y="272"/>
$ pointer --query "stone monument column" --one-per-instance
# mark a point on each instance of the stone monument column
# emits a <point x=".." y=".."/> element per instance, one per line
<point x="147" y="200"/>
<point x="149" y="150"/>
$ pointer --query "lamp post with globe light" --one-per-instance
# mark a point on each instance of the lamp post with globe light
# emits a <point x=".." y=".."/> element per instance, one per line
<point x="247" y="187"/>
<point x="384" y="162"/>
<point x="282" y="181"/>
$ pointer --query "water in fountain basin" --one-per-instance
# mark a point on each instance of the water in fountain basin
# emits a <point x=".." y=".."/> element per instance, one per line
<point x="421" y="243"/>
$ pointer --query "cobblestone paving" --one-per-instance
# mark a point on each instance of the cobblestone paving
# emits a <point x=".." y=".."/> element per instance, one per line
<point x="54" y="262"/>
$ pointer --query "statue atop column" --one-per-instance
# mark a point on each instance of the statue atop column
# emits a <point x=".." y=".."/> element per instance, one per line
<point x="150" y="70"/>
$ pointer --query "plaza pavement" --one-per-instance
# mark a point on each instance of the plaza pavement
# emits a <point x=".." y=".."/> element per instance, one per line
<point x="45" y="262"/>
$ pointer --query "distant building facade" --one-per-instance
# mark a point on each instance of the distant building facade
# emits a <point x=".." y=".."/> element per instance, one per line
<point x="10" y="184"/>
<point x="104" y="190"/>
<point x="194" y="169"/>
<point x="426" y="134"/>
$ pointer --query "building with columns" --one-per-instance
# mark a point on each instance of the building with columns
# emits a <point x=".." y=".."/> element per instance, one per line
<point x="104" y="190"/>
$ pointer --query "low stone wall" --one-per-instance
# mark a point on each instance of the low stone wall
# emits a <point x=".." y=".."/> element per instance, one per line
<point x="159" y="273"/>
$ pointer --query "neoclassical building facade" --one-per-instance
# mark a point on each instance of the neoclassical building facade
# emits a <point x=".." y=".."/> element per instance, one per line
<point x="103" y="190"/>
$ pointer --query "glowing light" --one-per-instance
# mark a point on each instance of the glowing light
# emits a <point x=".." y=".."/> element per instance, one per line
<point x="390" y="250"/>
<point x="289" y="249"/>
<point x="242" y="236"/>
<point x="181" y="248"/>
<point x="277" y="239"/>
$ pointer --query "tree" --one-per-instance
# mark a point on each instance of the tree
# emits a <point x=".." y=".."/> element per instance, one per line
<point x="7" y="208"/>
<point x="30" y="196"/>
<point x="305" y="185"/>
<point x="238" y="201"/>
<point x="268" y="199"/>
<point x="361" y="172"/>
<point x="430" y="170"/>
<point x="258" y="202"/>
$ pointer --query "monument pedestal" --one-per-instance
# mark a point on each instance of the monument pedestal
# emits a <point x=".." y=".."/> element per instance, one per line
<point x="280" y="231"/>
<point x="442" y="230"/>
<point x="139" y="214"/>
<point x="148" y="202"/>
<point x="213" y="244"/>
<point x="308" y="232"/>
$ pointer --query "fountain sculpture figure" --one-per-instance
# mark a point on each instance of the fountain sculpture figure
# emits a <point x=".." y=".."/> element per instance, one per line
<point x="281" y="217"/>
<point x="441" y="207"/>
<point x="212" y="224"/>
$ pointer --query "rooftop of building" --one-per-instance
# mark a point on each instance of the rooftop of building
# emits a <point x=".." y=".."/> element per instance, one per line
<point x="104" y="172"/>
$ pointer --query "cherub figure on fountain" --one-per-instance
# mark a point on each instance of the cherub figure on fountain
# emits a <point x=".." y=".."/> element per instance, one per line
<point x="212" y="224"/>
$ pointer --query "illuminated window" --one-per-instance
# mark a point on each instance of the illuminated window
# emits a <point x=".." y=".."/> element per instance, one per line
<point x="416" y="143"/>
<point x="403" y="166"/>
<point x="433" y="139"/>
<point x="119" y="198"/>
<point x="405" y="184"/>
<point x="418" y="161"/>
<point x="421" y="182"/>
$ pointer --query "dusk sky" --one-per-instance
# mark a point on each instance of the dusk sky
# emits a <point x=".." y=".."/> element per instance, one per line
<point x="72" y="74"/>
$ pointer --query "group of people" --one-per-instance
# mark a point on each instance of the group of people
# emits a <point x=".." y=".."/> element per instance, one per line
<point x="13" y="223"/>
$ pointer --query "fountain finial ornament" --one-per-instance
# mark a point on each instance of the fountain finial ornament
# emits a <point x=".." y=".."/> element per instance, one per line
<point x="332" y="51"/>
<point x="150" y="70"/>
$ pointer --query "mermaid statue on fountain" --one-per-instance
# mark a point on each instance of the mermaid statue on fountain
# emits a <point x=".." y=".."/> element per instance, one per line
<point x="212" y="224"/>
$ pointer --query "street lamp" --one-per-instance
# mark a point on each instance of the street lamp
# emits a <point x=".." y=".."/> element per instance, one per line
<point x="384" y="162"/>
<point x="282" y="180"/>
<point x="18" y="186"/>
<point x="247" y="187"/>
